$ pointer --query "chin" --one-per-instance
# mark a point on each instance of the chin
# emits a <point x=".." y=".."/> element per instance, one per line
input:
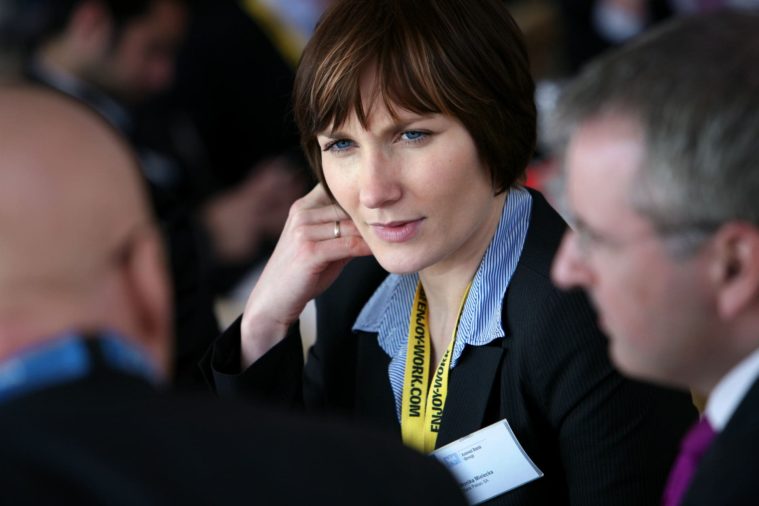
<point x="397" y="268"/>
<point x="639" y="368"/>
<point x="626" y="363"/>
<point x="629" y="370"/>
<point x="398" y="263"/>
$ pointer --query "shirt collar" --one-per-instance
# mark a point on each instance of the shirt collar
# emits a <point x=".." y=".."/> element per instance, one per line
<point x="67" y="357"/>
<point x="730" y="391"/>
<point x="388" y="311"/>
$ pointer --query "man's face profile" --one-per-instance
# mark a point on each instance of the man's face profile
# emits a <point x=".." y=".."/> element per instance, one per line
<point x="653" y="306"/>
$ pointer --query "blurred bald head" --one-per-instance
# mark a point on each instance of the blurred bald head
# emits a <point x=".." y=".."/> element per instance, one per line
<point x="68" y="191"/>
<point x="79" y="249"/>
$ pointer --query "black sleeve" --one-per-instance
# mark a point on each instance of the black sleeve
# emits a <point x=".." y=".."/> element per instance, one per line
<point x="330" y="374"/>
<point x="328" y="381"/>
<point x="275" y="378"/>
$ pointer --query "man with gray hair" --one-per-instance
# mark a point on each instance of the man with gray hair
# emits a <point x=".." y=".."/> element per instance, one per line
<point x="662" y="165"/>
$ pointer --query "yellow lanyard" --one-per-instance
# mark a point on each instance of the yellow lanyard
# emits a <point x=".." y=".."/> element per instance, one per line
<point x="422" y="403"/>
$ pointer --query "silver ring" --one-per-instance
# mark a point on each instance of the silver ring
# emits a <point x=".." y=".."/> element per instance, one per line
<point x="336" y="230"/>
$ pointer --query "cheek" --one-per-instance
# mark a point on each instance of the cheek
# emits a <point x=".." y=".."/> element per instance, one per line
<point x="648" y="304"/>
<point x="446" y="180"/>
<point x="340" y="185"/>
<point x="619" y="294"/>
<point x="450" y="167"/>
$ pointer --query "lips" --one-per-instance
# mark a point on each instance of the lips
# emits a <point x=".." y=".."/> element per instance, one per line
<point x="396" y="231"/>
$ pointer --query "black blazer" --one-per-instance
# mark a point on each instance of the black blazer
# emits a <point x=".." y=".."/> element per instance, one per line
<point x="729" y="470"/>
<point x="114" y="439"/>
<point x="598" y="437"/>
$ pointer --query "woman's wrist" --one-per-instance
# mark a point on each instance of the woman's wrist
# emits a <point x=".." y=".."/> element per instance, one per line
<point x="258" y="335"/>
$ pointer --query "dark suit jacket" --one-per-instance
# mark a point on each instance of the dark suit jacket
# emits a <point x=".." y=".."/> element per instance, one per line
<point x="729" y="471"/>
<point x="114" y="439"/>
<point x="598" y="437"/>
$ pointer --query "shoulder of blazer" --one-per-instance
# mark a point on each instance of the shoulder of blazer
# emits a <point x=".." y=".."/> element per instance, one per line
<point x="732" y="459"/>
<point x="533" y="305"/>
<point x="531" y="282"/>
<point x="543" y="238"/>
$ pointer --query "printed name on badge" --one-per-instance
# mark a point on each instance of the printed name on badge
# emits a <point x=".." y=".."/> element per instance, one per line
<point x="488" y="462"/>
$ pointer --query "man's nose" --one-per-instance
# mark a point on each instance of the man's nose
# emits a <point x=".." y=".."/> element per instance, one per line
<point x="569" y="269"/>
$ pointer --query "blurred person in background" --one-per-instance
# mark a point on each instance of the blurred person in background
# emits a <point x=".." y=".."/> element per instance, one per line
<point x="593" y="26"/>
<point x="662" y="175"/>
<point x="114" y="55"/>
<point x="85" y="351"/>
<point x="229" y="114"/>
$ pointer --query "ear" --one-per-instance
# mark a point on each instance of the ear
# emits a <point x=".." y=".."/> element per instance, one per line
<point x="736" y="268"/>
<point x="90" y="28"/>
<point x="147" y="280"/>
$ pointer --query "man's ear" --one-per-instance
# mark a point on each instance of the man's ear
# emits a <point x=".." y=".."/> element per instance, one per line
<point x="736" y="268"/>
<point x="91" y="28"/>
<point x="148" y="285"/>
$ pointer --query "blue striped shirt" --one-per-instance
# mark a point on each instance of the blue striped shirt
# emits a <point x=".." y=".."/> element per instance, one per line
<point x="389" y="310"/>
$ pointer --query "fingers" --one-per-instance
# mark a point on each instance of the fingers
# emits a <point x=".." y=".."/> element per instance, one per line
<point x="335" y="230"/>
<point x="325" y="219"/>
<point x="320" y="231"/>
<point x="317" y="197"/>
<point x="339" y="249"/>
<point x="321" y="227"/>
<point x="321" y="214"/>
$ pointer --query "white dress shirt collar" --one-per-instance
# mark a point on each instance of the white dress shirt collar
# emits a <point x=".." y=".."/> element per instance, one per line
<point x="730" y="391"/>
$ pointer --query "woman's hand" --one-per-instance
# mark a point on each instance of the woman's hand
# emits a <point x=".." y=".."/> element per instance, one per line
<point x="317" y="241"/>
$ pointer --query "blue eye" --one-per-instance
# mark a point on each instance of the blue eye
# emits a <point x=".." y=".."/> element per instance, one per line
<point x="413" y="135"/>
<point x="339" y="145"/>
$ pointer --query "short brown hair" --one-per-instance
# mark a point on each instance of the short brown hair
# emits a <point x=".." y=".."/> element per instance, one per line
<point x="462" y="58"/>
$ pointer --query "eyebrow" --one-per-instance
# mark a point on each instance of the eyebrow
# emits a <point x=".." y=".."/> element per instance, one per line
<point x="393" y="127"/>
<point x="577" y="224"/>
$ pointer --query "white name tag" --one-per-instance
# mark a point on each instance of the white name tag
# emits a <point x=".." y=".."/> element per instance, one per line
<point x="488" y="462"/>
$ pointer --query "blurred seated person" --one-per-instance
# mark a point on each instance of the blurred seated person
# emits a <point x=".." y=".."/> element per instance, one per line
<point x="85" y="350"/>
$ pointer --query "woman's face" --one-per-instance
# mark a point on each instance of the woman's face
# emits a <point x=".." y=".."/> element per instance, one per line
<point x="414" y="186"/>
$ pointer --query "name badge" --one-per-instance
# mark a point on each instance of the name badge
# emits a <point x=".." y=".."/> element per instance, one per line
<point x="488" y="462"/>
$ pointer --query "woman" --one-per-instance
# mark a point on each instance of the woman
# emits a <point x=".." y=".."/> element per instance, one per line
<point x="418" y="118"/>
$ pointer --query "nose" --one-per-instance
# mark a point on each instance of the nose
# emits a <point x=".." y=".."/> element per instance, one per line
<point x="569" y="268"/>
<point x="379" y="184"/>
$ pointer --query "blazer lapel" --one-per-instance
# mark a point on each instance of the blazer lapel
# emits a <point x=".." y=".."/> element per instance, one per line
<point x="469" y="389"/>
